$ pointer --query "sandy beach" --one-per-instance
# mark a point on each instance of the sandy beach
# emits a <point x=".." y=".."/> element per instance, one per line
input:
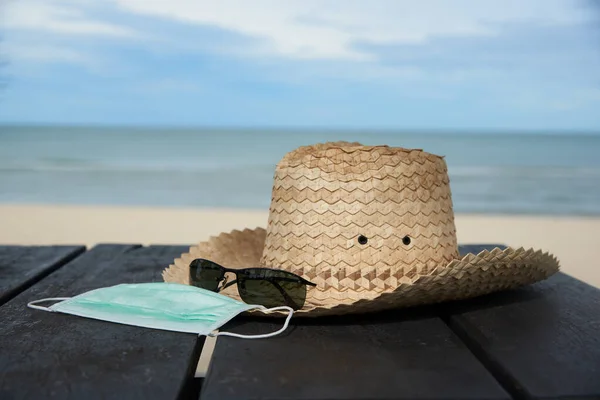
<point x="572" y="240"/>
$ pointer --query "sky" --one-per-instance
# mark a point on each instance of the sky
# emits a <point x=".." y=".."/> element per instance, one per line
<point x="392" y="64"/>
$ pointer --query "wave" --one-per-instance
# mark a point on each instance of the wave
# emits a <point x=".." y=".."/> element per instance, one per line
<point x="86" y="166"/>
<point x="540" y="172"/>
<point x="202" y="165"/>
<point x="549" y="190"/>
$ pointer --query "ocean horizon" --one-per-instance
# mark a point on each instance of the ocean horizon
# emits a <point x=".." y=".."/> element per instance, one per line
<point x="556" y="173"/>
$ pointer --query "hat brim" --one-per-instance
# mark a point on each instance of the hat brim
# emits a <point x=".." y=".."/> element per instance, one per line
<point x="470" y="276"/>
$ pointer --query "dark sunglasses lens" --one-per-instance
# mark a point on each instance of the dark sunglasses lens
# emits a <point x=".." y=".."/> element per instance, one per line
<point x="206" y="275"/>
<point x="272" y="289"/>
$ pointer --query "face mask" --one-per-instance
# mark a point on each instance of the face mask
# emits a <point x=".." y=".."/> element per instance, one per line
<point x="166" y="306"/>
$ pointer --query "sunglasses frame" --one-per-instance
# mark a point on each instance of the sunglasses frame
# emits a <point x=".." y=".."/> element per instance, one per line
<point x="250" y="276"/>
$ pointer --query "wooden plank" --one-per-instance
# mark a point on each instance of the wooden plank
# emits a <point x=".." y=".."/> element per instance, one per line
<point x="23" y="266"/>
<point x="400" y="355"/>
<point x="541" y="341"/>
<point x="68" y="357"/>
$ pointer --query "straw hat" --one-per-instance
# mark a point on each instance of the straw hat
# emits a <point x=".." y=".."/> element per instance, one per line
<point x="373" y="227"/>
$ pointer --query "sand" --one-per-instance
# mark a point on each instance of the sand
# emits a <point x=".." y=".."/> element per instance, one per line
<point x="572" y="240"/>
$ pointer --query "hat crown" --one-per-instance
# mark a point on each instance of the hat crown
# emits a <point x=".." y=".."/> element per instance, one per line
<point x="348" y="215"/>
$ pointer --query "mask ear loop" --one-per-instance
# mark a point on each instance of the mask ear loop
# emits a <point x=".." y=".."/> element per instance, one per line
<point x="266" y="335"/>
<point x="32" y="304"/>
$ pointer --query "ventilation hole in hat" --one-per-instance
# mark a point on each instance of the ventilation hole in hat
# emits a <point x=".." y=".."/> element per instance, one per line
<point x="362" y="239"/>
<point x="406" y="240"/>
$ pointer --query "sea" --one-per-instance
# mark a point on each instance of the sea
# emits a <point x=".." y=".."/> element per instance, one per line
<point x="490" y="172"/>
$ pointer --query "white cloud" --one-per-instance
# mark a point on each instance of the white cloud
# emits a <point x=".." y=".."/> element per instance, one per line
<point x="297" y="29"/>
<point x="57" y="16"/>
<point x="41" y="31"/>
<point x="46" y="53"/>
<point x="329" y="29"/>
<point x="301" y="30"/>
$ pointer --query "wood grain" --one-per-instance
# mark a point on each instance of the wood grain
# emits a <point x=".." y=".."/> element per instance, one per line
<point x="402" y="355"/>
<point x="541" y="341"/>
<point x="52" y="355"/>
<point x="23" y="266"/>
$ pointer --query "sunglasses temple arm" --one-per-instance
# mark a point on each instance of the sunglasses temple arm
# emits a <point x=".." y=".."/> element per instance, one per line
<point x="228" y="284"/>
<point x="289" y="301"/>
<point x="308" y="282"/>
<point x="302" y="280"/>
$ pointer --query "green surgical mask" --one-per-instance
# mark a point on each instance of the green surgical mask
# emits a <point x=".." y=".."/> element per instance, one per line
<point x="166" y="306"/>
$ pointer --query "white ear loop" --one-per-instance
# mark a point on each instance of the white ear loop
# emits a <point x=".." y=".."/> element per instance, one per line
<point x="266" y="335"/>
<point x="31" y="304"/>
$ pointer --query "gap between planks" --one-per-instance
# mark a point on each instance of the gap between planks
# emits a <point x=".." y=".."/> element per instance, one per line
<point x="508" y="382"/>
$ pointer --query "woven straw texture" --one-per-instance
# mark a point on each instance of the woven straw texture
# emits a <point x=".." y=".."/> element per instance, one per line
<point x="373" y="227"/>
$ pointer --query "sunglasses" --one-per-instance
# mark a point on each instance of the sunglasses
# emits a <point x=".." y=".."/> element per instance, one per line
<point x="264" y="286"/>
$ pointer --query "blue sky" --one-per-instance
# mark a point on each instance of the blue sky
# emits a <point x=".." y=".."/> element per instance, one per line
<point x="524" y="64"/>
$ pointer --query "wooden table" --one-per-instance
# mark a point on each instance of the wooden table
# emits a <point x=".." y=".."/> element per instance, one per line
<point x="538" y="342"/>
